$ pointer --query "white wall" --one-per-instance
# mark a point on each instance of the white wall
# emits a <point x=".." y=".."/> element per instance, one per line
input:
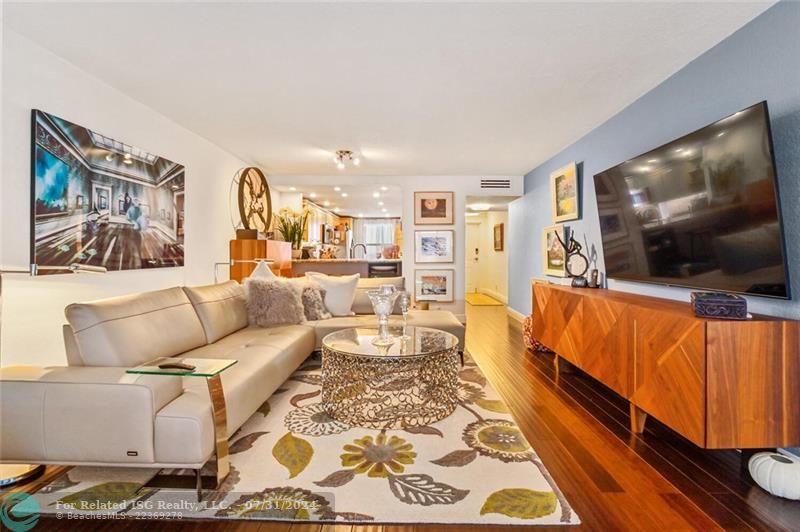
<point x="462" y="186"/>
<point x="493" y="271"/>
<point x="34" y="78"/>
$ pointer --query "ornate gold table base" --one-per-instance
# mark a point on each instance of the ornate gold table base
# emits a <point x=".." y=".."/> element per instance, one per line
<point x="389" y="391"/>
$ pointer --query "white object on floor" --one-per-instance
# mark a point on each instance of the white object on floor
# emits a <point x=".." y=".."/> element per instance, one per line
<point x="776" y="473"/>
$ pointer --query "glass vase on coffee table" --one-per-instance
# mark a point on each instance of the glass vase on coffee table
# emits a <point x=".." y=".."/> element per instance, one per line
<point x="404" y="299"/>
<point x="383" y="300"/>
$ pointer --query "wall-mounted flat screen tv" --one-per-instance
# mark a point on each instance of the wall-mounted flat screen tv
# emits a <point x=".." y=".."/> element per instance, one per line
<point x="700" y="212"/>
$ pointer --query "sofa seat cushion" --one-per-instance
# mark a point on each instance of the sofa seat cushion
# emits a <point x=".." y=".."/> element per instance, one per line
<point x="266" y="358"/>
<point x="222" y="308"/>
<point x="130" y="330"/>
<point x="434" y="319"/>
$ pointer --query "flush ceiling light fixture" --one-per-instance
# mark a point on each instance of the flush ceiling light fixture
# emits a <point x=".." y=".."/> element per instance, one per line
<point x="345" y="157"/>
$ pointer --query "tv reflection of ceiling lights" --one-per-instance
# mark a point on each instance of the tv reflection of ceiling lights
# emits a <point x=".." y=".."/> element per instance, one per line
<point x="700" y="212"/>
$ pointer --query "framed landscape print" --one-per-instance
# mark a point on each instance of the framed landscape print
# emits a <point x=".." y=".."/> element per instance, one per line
<point x="553" y="253"/>
<point x="564" y="193"/>
<point x="433" y="285"/>
<point x="433" y="208"/>
<point x="498" y="237"/>
<point x="433" y="246"/>
<point x="97" y="201"/>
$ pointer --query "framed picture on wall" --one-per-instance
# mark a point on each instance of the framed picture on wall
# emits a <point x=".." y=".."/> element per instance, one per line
<point x="553" y="253"/>
<point x="433" y="246"/>
<point x="433" y="208"/>
<point x="72" y="165"/>
<point x="498" y="237"/>
<point x="564" y="193"/>
<point x="434" y="285"/>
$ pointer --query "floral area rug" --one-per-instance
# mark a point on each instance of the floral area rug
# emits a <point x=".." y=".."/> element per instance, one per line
<point x="292" y="461"/>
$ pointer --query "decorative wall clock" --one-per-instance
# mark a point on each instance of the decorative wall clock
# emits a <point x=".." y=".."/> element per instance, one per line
<point x="255" y="201"/>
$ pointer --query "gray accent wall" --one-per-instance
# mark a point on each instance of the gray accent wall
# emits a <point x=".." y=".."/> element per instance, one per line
<point x="761" y="61"/>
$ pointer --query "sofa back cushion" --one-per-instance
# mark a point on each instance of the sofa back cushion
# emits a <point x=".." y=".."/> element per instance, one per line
<point x="362" y="304"/>
<point x="131" y="330"/>
<point x="222" y="308"/>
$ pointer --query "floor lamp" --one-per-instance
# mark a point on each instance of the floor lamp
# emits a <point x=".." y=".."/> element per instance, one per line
<point x="14" y="473"/>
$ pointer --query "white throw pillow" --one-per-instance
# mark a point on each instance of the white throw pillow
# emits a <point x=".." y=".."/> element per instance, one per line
<point x="339" y="291"/>
<point x="262" y="271"/>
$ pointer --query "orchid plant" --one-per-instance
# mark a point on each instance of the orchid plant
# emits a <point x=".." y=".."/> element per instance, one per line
<point x="292" y="225"/>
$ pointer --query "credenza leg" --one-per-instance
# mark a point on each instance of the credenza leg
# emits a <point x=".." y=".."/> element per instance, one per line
<point x="638" y="417"/>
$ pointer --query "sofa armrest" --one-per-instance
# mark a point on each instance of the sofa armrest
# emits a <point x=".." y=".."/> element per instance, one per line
<point x="80" y="414"/>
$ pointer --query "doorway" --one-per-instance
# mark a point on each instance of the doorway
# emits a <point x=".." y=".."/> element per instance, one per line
<point x="486" y="258"/>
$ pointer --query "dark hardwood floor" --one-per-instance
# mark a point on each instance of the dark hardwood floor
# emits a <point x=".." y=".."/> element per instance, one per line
<point x="614" y="479"/>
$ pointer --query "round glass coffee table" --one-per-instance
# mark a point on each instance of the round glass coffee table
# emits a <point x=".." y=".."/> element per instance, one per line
<point x="412" y="382"/>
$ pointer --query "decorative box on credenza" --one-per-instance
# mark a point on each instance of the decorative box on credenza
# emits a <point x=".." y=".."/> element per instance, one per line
<point x="719" y="383"/>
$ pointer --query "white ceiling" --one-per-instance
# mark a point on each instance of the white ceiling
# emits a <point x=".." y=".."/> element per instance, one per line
<point x="415" y="88"/>
<point x="360" y="200"/>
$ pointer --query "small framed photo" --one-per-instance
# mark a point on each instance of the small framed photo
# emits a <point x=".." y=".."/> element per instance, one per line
<point x="564" y="193"/>
<point x="553" y="253"/>
<point x="433" y="285"/>
<point x="498" y="237"/>
<point x="433" y="208"/>
<point x="433" y="246"/>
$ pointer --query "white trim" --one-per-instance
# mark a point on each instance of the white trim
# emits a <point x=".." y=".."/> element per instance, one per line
<point x="494" y="295"/>
<point x="513" y="314"/>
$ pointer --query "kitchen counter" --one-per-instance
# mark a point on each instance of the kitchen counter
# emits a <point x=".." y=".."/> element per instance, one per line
<point x="350" y="261"/>
<point x="363" y="267"/>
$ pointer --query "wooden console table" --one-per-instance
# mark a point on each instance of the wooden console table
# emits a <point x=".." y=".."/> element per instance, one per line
<point x="721" y="384"/>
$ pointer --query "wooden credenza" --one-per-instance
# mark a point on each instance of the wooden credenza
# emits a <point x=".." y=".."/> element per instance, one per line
<point x="243" y="252"/>
<point x="721" y="384"/>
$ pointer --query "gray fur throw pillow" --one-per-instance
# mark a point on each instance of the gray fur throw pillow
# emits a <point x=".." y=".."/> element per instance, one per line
<point x="314" y="303"/>
<point x="273" y="302"/>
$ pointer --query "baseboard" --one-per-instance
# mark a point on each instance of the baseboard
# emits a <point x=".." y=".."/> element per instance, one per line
<point x="518" y="316"/>
<point x="495" y="295"/>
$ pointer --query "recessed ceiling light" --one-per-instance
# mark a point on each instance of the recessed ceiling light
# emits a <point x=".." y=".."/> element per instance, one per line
<point x="326" y="203"/>
<point x="383" y="210"/>
<point x="109" y="157"/>
<point x="337" y="209"/>
<point x="480" y="206"/>
<point x="380" y="204"/>
<point x="376" y="194"/>
<point x="644" y="168"/>
<point x="361" y="215"/>
<point x="384" y="188"/>
<point x="312" y="194"/>
<point x="344" y="194"/>
<point x="292" y="189"/>
<point x="386" y="215"/>
<point x="356" y="161"/>
<point x="337" y="189"/>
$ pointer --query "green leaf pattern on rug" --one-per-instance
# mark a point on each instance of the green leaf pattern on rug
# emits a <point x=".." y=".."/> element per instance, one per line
<point x="293" y="453"/>
<point x="492" y="405"/>
<point x="102" y="496"/>
<point x="521" y="503"/>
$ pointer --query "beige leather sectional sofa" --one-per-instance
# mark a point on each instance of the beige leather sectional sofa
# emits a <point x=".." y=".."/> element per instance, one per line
<point x="93" y="413"/>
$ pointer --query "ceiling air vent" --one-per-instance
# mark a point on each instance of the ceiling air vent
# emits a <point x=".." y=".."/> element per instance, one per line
<point x="487" y="183"/>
